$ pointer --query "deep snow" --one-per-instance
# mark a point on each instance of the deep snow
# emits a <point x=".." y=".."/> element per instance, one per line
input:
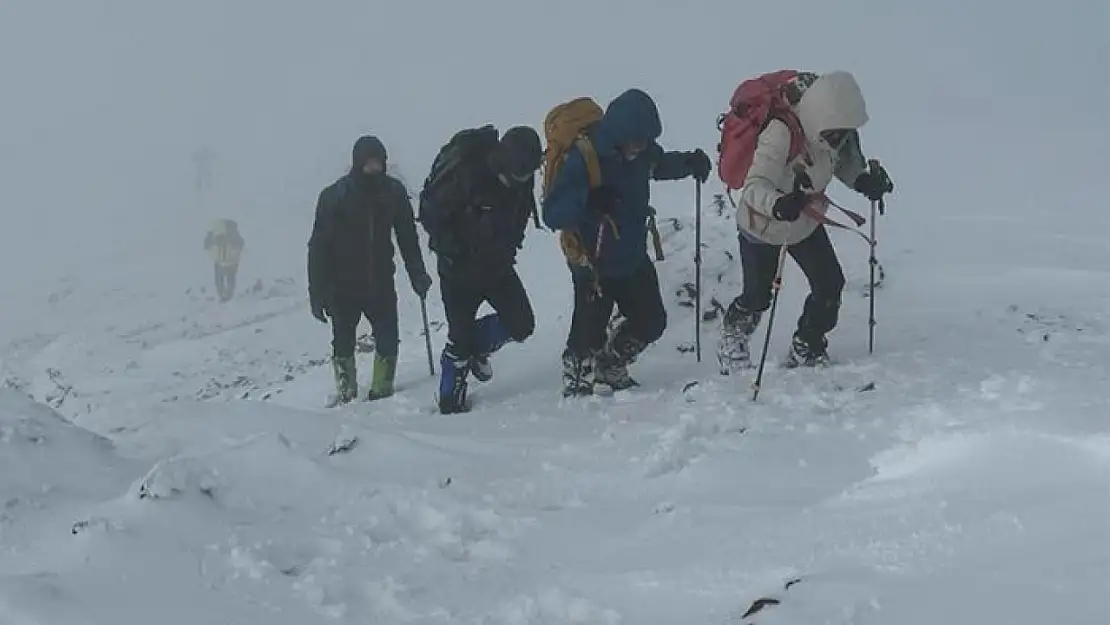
<point x="165" y="458"/>
<point x="970" y="485"/>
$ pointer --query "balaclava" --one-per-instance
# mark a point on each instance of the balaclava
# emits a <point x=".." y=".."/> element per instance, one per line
<point x="366" y="148"/>
<point x="518" y="155"/>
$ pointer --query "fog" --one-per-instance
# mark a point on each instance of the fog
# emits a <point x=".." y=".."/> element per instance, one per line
<point x="992" y="107"/>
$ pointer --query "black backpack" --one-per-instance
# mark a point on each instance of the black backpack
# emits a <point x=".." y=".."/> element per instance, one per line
<point x="463" y="149"/>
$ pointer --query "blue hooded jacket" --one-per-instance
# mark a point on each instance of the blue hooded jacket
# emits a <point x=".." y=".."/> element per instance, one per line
<point x="632" y="116"/>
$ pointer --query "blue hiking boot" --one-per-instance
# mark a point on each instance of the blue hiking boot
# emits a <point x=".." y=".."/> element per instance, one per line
<point x="452" y="382"/>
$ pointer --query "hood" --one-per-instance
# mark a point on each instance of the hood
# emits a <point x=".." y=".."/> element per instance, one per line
<point x="833" y="101"/>
<point x="519" y="153"/>
<point x="631" y="116"/>
<point x="367" y="147"/>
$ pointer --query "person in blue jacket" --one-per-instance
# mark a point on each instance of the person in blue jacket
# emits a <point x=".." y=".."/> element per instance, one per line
<point x="612" y="221"/>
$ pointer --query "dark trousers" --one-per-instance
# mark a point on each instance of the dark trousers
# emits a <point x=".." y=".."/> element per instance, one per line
<point x="636" y="296"/>
<point x="225" y="281"/>
<point x="463" y="296"/>
<point x="380" y="309"/>
<point x="817" y="259"/>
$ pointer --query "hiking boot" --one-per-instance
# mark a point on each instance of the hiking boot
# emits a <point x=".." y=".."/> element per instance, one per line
<point x="481" y="368"/>
<point x="733" y="351"/>
<point x="492" y="334"/>
<point x="381" y="384"/>
<point x="452" y="382"/>
<point x="578" y="374"/>
<point x="612" y="371"/>
<point x="346" y="378"/>
<point x="611" y="364"/>
<point x="808" y="353"/>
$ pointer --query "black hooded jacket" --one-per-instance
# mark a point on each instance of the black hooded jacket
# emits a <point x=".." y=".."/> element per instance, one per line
<point x="350" y="252"/>
<point x="475" y="221"/>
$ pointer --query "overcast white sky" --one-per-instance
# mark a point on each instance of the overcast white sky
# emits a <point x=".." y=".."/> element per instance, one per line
<point x="975" y="106"/>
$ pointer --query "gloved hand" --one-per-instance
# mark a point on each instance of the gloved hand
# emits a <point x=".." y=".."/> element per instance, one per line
<point x="790" y="206"/>
<point x="699" y="165"/>
<point x="874" y="184"/>
<point x="319" y="310"/>
<point x="603" y="200"/>
<point x="421" y="284"/>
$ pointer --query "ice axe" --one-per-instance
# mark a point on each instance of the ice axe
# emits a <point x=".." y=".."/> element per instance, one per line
<point x="427" y="335"/>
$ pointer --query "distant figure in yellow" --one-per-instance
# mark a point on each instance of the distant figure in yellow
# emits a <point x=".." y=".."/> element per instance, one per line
<point x="224" y="244"/>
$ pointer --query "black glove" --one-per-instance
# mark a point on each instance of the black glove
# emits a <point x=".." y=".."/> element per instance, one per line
<point x="319" y="310"/>
<point x="421" y="284"/>
<point x="874" y="185"/>
<point x="699" y="165"/>
<point x="790" y="206"/>
<point x="603" y="200"/>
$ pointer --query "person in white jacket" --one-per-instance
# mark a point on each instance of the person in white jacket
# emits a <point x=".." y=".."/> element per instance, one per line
<point x="780" y="206"/>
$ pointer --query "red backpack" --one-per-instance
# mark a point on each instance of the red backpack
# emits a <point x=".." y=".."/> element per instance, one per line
<point x="753" y="105"/>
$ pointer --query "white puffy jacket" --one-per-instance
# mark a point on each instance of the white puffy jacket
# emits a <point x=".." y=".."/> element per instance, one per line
<point x="832" y="101"/>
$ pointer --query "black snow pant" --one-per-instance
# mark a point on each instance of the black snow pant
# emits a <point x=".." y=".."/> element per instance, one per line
<point x="225" y="281"/>
<point x="817" y="259"/>
<point x="464" y="295"/>
<point x="637" y="297"/>
<point x="379" y="306"/>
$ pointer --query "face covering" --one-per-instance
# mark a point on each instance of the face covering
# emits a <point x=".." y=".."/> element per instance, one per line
<point x="375" y="167"/>
<point x="632" y="151"/>
<point x="835" y="138"/>
<point x="514" y="179"/>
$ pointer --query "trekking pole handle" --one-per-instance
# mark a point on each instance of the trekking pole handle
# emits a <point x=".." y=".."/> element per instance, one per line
<point x="874" y="168"/>
<point x="801" y="178"/>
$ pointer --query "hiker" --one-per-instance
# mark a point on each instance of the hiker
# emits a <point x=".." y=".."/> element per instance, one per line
<point x="475" y="207"/>
<point x="351" y="268"/>
<point x="599" y="198"/>
<point x="813" y="123"/>
<point x="224" y="245"/>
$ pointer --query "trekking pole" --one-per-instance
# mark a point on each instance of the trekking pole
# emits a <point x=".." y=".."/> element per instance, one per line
<point x="427" y="336"/>
<point x="697" y="269"/>
<point x="873" y="165"/>
<point x="801" y="179"/>
<point x="776" y="286"/>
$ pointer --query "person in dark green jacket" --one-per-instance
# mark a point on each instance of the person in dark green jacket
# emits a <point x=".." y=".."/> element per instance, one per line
<point x="351" y="268"/>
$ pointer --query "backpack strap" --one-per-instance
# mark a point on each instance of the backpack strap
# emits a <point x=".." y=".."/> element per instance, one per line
<point x="570" y="240"/>
<point x="593" y="163"/>
<point x="593" y="173"/>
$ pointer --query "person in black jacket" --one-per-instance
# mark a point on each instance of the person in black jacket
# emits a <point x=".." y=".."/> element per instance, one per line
<point x="351" y="268"/>
<point x="475" y="207"/>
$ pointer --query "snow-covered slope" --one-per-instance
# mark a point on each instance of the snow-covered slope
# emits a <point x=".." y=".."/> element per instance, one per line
<point x="961" y="473"/>
<point x="165" y="458"/>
